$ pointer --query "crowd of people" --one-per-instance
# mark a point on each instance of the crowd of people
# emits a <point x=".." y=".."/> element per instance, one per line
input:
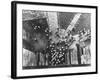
<point x="63" y="49"/>
<point x="75" y="49"/>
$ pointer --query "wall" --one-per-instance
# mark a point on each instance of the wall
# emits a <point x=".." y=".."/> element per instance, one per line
<point x="5" y="40"/>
